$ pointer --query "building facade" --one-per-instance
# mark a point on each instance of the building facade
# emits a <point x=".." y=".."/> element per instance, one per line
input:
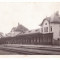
<point x="51" y="25"/>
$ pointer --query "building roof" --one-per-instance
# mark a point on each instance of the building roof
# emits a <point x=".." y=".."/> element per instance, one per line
<point x="19" y="28"/>
<point x="47" y="18"/>
<point x="31" y="31"/>
<point x="55" y="18"/>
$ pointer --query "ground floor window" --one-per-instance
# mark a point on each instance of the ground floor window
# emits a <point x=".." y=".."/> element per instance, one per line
<point x="41" y="29"/>
<point x="59" y="33"/>
<point x="51" y="28"/>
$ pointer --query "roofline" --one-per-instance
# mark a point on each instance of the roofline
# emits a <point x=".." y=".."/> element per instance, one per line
<point x="43" y="21"/>
<point x="55" y="22"/>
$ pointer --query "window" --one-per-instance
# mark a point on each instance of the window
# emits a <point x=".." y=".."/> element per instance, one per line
<point x="59" y="33"/>
<point x="36" y="30"/>
<point x="45" y="29"/>
<point x="29" y="31"/>
<point x="51" y="28"/>
<point x="45" y="23"/>
<point x="41" y="29"/>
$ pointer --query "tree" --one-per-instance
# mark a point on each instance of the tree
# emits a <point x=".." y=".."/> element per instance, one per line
<point x="1" y="34"/>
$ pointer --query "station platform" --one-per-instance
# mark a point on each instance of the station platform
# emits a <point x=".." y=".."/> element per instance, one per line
<point x="27" y="45"/>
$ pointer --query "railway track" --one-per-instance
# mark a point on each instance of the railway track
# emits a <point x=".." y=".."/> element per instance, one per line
<point x="33" y="51"/>
<point x="44" y="48"/>
<point x="20" y="52"/>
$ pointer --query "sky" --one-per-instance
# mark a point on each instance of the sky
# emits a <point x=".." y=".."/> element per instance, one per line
<point x="29" y="14"/>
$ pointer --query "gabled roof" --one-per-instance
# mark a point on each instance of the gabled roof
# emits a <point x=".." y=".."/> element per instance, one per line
<point x="47" y="18"/>
<point x="55" y="18"/>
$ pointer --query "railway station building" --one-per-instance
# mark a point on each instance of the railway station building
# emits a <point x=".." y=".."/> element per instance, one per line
<point x="51" y="25"/>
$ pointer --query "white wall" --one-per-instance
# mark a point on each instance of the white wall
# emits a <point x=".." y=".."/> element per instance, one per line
<point x="45" y="26"/>
<point x="55" y="30"/>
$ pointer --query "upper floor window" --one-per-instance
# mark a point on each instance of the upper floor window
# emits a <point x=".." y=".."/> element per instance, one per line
<point x="45" y="23"/>
<point x="45" y="29"/>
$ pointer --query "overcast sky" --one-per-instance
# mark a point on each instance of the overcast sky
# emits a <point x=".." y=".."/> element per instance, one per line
<point x="28" y="14"/>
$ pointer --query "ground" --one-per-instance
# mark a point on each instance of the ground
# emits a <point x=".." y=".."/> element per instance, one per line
<point x="2" y="52"/>
<point x="18" y="49"/>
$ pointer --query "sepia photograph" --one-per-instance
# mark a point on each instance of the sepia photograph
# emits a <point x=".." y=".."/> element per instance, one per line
<point x="29" y="28"/>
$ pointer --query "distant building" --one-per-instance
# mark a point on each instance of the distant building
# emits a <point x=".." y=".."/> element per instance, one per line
<point x="17" y="30"/>
<point x="32" y="31"/>
<point x="51" y="25"/>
